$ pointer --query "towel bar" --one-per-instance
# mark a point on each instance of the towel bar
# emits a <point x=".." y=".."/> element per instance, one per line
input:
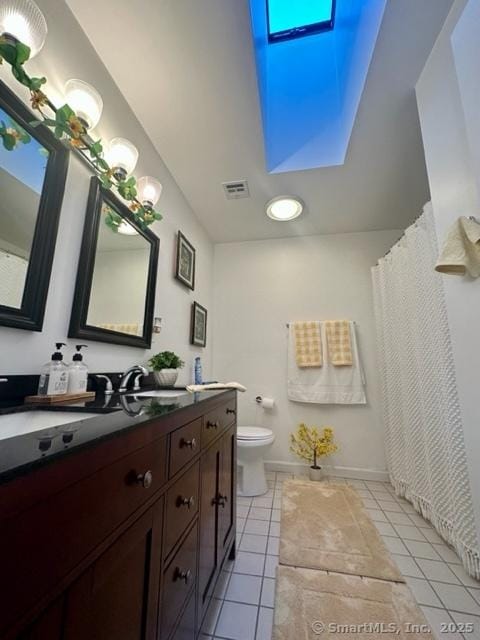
<point x="288" y="324"/>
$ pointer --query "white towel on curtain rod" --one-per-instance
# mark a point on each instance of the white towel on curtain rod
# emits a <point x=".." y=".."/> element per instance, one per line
<point x="424" y="436"/>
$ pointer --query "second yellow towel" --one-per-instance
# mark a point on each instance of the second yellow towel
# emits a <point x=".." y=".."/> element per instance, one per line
<point x="339" y="343"/>
<point x="308" y="344"/>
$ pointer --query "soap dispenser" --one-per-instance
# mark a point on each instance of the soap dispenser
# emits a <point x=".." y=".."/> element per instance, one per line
<point x="54" y="375"/>
<point x="78" y="372"/>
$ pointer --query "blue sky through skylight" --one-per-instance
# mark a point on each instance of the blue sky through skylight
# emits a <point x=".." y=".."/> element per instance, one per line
<point x="292" y="14"/>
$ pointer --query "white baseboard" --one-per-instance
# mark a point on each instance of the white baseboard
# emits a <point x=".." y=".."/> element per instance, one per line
<point x="376" y="475"/>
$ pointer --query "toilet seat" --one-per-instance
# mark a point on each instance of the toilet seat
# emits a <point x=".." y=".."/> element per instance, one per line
<point x="253" y="433"/>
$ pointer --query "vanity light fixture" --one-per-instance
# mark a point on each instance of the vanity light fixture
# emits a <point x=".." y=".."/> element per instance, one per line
<point x="284" y="208"/>
<point x="22" y="20"/>
<point x="85" y="101"/>
<point x="126" y="229"/>
<point x="149" y="191"/>
<point x="122" y="156"/>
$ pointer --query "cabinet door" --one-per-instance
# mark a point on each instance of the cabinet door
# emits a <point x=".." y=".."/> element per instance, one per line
<point x="117" y="597"/>
<point x="49" y="625"/>
<point x="226" y="488"/>
<point x="208" y="524"/>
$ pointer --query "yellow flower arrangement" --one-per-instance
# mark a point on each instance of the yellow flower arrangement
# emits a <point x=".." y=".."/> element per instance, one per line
<point x="310" y="443"/>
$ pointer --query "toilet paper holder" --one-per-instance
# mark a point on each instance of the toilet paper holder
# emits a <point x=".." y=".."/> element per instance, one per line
<point x="265" y="403"/>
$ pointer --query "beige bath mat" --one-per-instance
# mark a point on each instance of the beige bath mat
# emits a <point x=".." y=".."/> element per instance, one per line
<point x="311" y="605"/>
<point x="324" y="526"/>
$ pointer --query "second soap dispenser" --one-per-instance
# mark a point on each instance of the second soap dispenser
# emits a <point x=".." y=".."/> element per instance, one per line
<point x="78" y="372"/>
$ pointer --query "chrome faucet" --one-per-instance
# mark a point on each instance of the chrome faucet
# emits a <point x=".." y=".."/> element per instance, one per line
<point x="137" y="368"/>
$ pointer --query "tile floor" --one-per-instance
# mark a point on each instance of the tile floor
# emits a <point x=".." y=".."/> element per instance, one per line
<point x="243" y="605"/>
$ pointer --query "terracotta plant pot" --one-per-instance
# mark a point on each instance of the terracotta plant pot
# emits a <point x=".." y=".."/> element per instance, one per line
<point x="166" y="377"/>
<point x="315" y="474"/>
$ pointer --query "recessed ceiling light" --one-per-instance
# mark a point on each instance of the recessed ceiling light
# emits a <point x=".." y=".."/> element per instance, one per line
<point x="284" y="208"/>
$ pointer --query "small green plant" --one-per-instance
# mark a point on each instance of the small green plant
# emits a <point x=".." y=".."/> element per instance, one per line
<point x="165" y="360"/>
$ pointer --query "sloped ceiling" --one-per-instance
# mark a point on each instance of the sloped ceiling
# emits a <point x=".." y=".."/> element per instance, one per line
<point x="187" y="69"/>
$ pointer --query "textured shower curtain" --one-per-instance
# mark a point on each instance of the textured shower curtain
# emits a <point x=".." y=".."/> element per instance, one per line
<point x="424" y="437"/>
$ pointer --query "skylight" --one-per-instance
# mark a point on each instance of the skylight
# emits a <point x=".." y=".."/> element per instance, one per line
<point x="289" y="19"/>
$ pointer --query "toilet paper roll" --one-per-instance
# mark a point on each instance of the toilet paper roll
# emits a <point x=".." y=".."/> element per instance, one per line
<point x="267" y="403"/>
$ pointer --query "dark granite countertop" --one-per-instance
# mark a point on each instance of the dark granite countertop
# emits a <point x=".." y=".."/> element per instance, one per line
<point x="19" y="454"/>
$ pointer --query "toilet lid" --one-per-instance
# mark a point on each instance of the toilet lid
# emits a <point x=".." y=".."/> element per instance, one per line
<point x="253" y="433"/>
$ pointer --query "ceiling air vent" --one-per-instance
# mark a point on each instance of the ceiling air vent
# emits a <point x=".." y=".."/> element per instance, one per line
<point x="236" y="189"/>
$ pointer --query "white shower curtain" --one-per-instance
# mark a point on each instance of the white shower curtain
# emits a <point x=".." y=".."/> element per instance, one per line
<point x="424" y="438"/>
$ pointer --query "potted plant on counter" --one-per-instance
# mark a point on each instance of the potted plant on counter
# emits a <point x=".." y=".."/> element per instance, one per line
<point x="310" y="444"/>
<point x="165" y="366"/>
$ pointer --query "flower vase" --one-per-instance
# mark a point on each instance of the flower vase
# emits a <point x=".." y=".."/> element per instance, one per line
<point x="315" y="474"/>
<point x="166" y="377"/>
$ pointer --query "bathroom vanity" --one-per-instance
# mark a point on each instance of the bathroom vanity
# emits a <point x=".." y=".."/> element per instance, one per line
<point x="116" y="526"/>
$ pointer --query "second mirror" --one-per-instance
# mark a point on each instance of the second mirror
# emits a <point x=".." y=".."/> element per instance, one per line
<point x="115" y="290"/>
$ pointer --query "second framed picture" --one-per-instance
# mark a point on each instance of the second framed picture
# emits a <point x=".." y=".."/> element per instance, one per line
<point x="199" y="325"/>
<point x="185" y="266"/>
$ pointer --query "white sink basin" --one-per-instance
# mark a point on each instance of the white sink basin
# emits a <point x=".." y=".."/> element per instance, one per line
<point x="158" y="393"/>
<point x="17" y="424"/>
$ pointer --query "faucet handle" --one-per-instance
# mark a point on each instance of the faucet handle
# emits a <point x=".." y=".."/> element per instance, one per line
<point x="108" y="386"/>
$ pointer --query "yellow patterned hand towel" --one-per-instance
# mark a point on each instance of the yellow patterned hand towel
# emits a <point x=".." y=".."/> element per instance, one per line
<point x="308" y="344"/>
<point x="339" y="342"/>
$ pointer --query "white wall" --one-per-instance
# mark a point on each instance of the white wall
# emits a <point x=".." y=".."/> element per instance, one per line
<point x="68" y="53"/>
<point x="259" y="287"/>
<point x="446" y="91"/>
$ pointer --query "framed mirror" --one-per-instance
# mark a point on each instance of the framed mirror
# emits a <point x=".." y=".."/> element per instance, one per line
<point x="33" y="171"/>
<point x="117" y="274"/>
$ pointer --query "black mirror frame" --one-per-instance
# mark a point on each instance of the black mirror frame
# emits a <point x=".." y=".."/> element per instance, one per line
<point x="79" y="328"/>
<point x="31" y="314"/>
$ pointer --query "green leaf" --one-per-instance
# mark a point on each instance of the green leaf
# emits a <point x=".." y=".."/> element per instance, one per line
<point x="8" y="52"/>
<point x="63" y="114"/>
<point x="105" y="180"/>
<point x="9" y="141"/>
<point x="36" y="83"/>
<point x="23" y="53"/>
<point x="96" y="149"/>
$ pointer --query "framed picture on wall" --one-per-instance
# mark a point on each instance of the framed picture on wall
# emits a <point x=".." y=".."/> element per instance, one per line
<point x="199" y="325"/>
<point x="185" y="267"/>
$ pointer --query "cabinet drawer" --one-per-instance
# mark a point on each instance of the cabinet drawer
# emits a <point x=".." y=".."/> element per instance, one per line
<point x="182" y="506"/>
<point x="67" y="526"/>
<point x="186" y="626"/>
<point x="217" y="420"/>
<point x="185" y="444"/>
<point x="178" y="582"/>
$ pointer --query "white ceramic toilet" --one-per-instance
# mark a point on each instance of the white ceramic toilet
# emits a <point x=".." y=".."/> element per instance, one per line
<point x="252" y="444"/>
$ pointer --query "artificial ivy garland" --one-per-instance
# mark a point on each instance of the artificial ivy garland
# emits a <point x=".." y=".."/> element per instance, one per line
<point x="66" y="125"/>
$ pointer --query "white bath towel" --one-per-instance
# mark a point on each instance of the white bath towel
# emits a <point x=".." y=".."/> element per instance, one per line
<point x="460" y="253"/>
<point x="214" y="386"/>
<point x="329" y="384"/>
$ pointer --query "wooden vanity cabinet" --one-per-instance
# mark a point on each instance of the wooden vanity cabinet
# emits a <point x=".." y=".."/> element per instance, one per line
<point x="217" y="512"/>
<point x="151" y="575"/>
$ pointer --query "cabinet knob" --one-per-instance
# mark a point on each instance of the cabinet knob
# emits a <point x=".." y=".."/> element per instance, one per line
<point x="188" y="443"/>
<point x="182" y="574"/>
<point x="231" y="411"/>
<point x="220" y="500"/>
<point x="185" y="502"/>
<point x="145" y="479"/>
<point x="213" y="425"/>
